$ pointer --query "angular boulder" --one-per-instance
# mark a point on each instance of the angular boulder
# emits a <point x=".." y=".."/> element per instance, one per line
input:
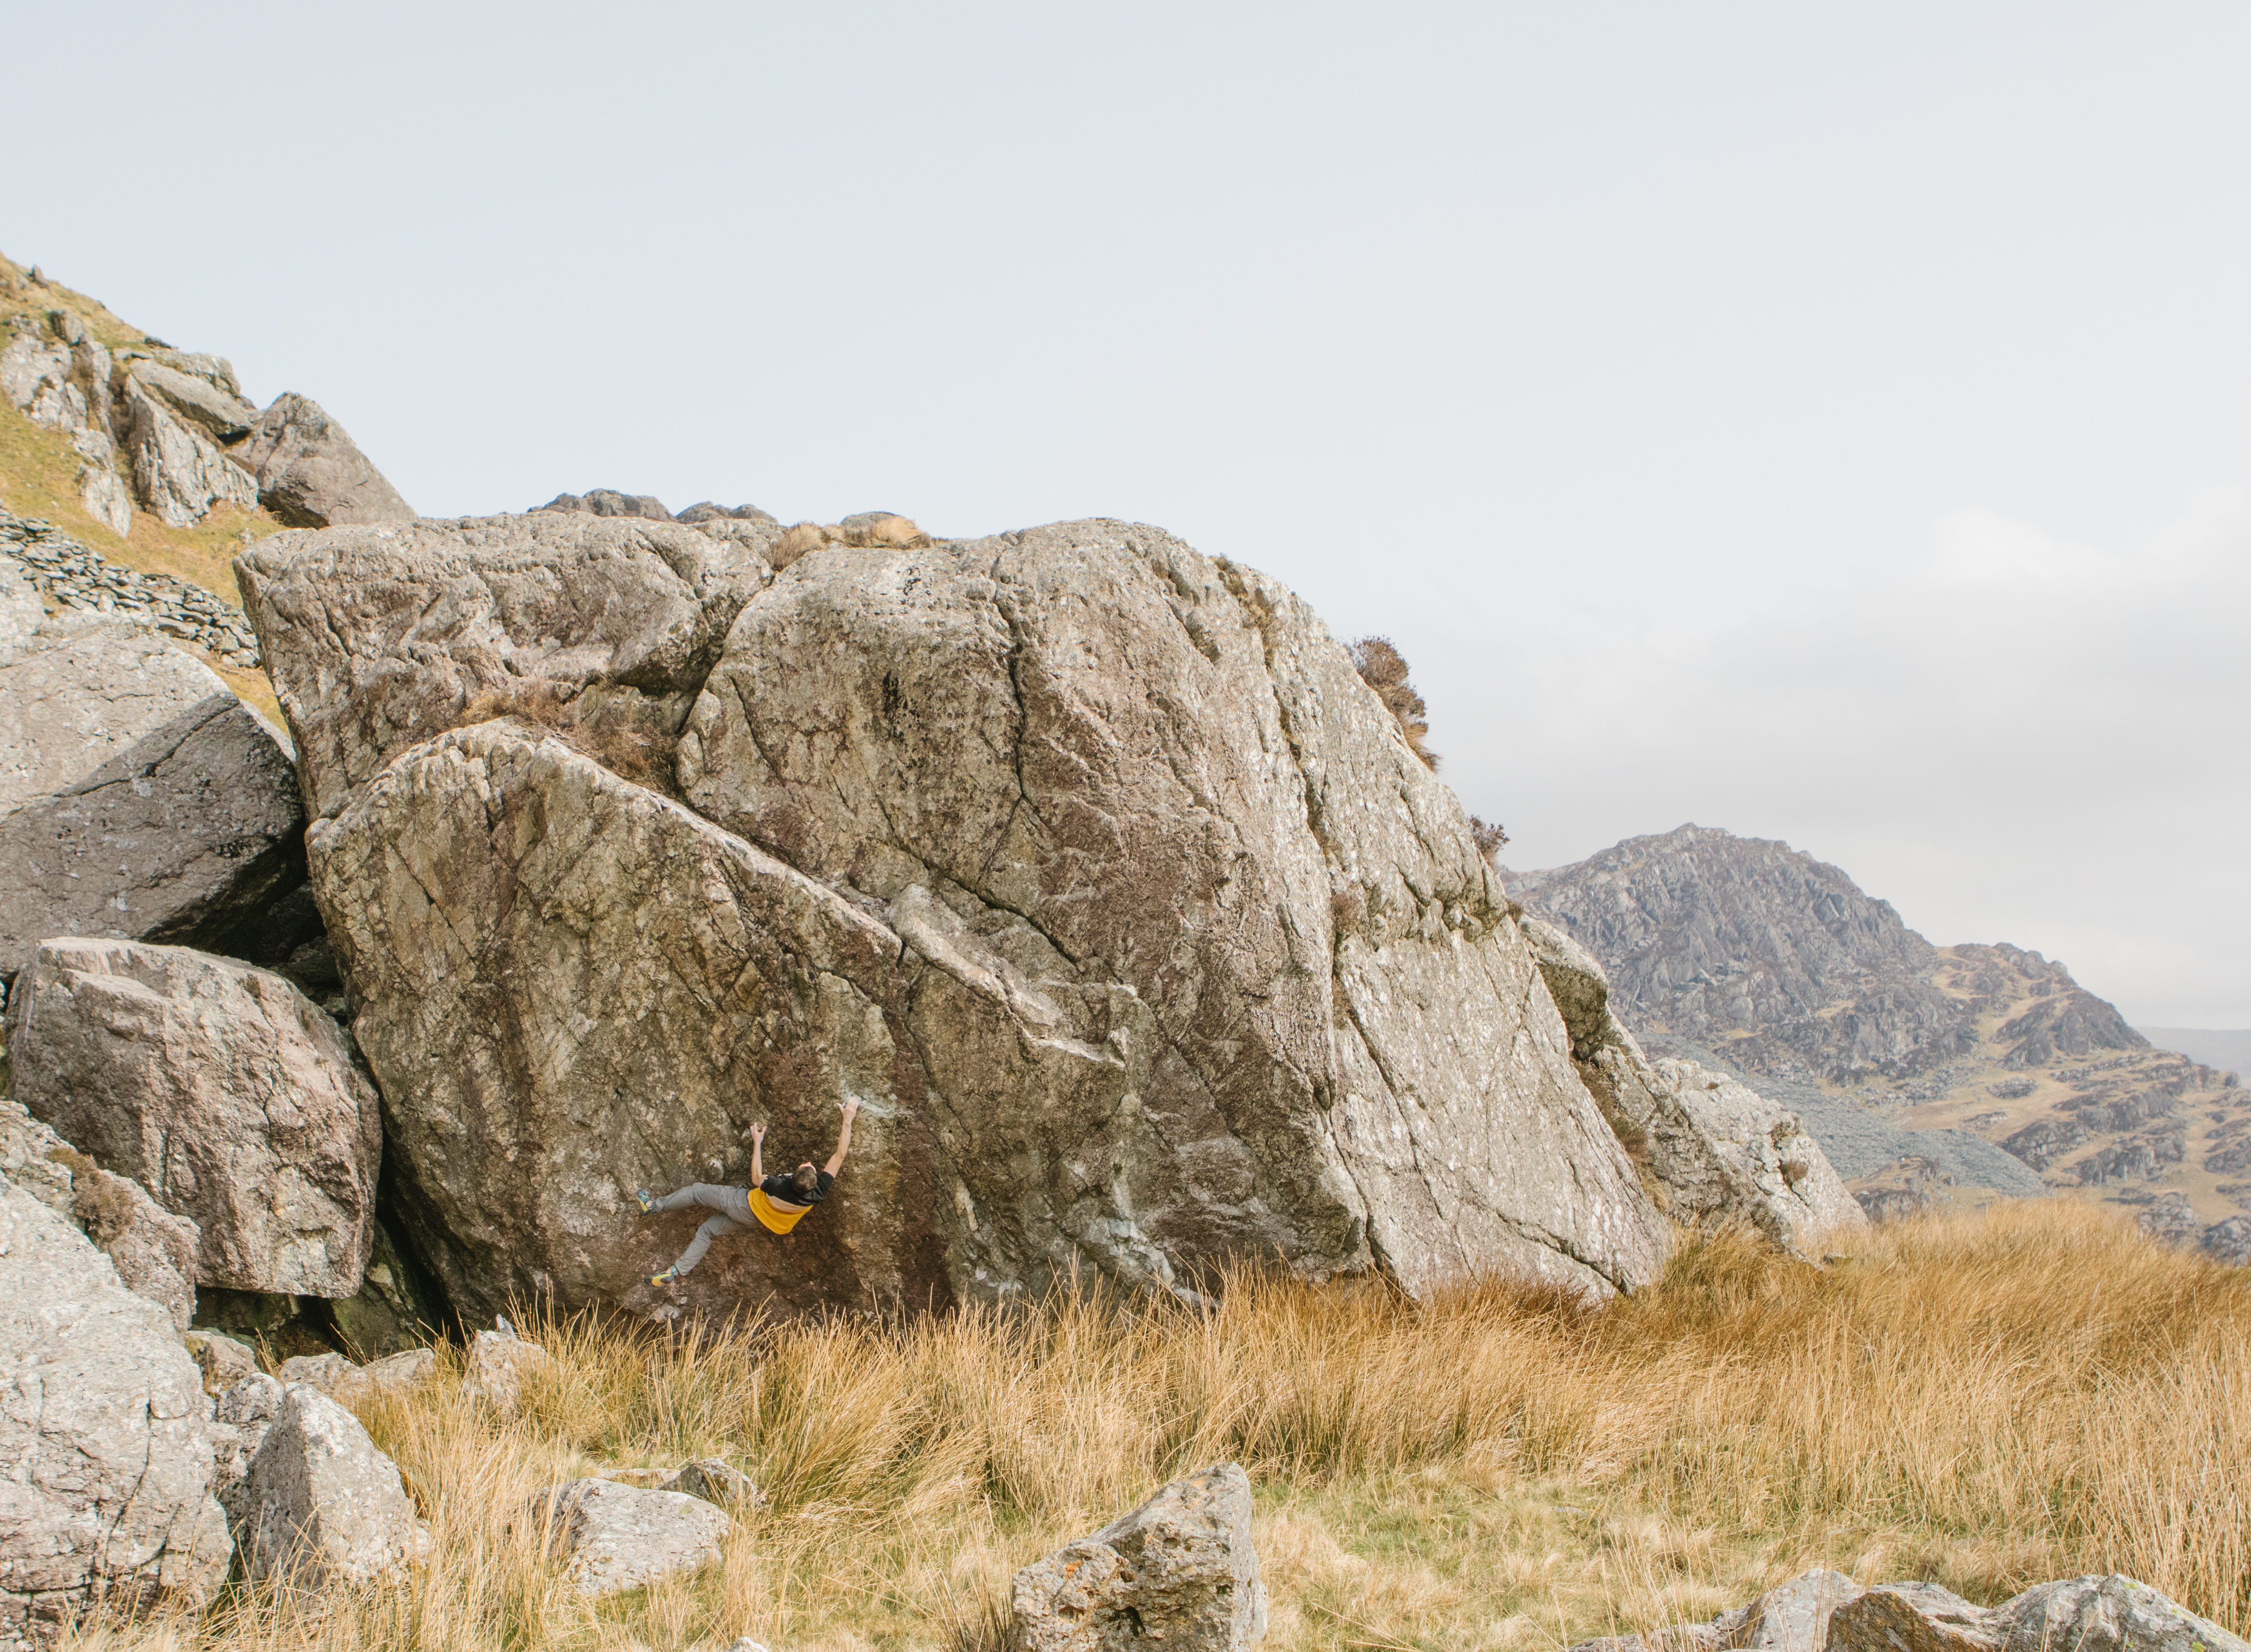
<point x="224" y="1360"/>
<point x="321" y="1503"/>
<point x="102" y="1425"/>
<point x="378" y="638"/>
<point x="245" y="1411"/>
<point x="1717" y="1150"/>
<point x="608" y="502"/>
<point x="205" y="401"/>
<point x="1087" y="864"/>
<point x="140" y="798"/>
<point x="499" y="1363"/>
<point x="222" y="1090"/>
<point x="310" y="472"/>
<point x="178" y="471"/>
<point x="1180" y="1569"/>
<point x="612" y="1536"/>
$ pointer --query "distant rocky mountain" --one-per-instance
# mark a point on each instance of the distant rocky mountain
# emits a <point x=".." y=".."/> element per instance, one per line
<point x="1920" y="1067"/>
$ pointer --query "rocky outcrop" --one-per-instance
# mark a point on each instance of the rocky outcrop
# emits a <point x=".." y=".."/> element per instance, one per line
<point x="178" y="472"/>
<point x="1180" y="1569"/>
<point x="2172" y="1220"/>
<point x="706" y="510"/>
<point x="59" y="376"/>
<point x="140" y="798"/>
<point x="219" y="1087"/>
<point x="245" y="1411"/>
<point x="1086" y="864"/>
<point x="223" y="1360"/>
<point x="107" y="1495"/>
<point x="612" y="1536"/>
<point x="311" y="475"/>
<point x="319" y="1503"/>
<point x="608" y="502"/>
<point x="1717" y="1151"/>
<point x="1827" y="1612"/>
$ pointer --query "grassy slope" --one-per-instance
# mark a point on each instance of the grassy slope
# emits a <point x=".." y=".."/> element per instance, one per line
<point x="1986" y="1399"/>
<point x="39" y="477"/>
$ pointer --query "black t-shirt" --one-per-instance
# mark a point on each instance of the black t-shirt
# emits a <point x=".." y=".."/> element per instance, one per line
<point x="785" y="1189"/>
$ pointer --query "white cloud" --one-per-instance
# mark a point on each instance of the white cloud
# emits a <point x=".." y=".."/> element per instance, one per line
<point x="2010" y="736"/>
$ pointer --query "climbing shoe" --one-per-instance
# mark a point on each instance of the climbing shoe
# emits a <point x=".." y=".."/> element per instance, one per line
<point x="664" y="1278"/>
<point x="642" y="1199"/>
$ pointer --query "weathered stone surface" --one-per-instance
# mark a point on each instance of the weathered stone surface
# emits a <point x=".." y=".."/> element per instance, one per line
<point x="246" y="1410"/>
<point x="224" y="1360"/>
<point x="1153" y="787"/>
<point x="378" y="638"/>
<point x="320" y="1503"/>
<point x="608" y="502"/>
<point x="2104" y="1615"/>
<point x="1179" y="1569"/>
<point x="33" y="1158"/>
<point x="324" y="1371"/>
<point x="311" y="475"/>
<point x="139" y="798"/>
<point x="1827" y="1612"/>
<point x="178" y="472"/>
<point x="612" y="1536"/>
<point x="1088" y="864"/>
<point x="21" y="611"/>
<point x="221" y="1089"/>
<point x="107" y="1493"/>
<point x="1717" y="1151"/>
<point x="499" y="1363"/>
<point x="153" y="1251"/>
<point x="715" y="1480"/>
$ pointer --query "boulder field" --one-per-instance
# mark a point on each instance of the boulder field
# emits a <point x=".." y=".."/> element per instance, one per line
<point x="1085" y="863"/>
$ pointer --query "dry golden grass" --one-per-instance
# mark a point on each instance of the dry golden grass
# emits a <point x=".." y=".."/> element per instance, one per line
<point x="1987" y="1401"/>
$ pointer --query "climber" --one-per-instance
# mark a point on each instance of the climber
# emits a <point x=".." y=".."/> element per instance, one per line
<point x="777" y="1203"/>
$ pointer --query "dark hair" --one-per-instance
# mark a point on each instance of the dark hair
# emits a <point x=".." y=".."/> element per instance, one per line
<point x="804" y="1178"/>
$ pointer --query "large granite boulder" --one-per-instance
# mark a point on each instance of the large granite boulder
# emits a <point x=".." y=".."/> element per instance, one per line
<point x="153" y="1250"/>
<point x="1180" y="1570"/>
<point x="102" y="1425"/>
<point x="209" y="400"/>
<point x="319" y="1503"/>
<point x="310" y="472"/>
<point x="1717" y="1151"/>
<point x="219" y="1087"/>
<point x="140" y="798"/>
<point x="179" y="472"/>
<point x="1086" y="864"/>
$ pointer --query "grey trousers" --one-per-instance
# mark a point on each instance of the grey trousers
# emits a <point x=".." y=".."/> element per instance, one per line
<point x="732" y="1205"/>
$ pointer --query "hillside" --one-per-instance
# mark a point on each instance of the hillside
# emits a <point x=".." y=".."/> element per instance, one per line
<point x="1749" y="953"/>
<point x="151" y="459"/>
<point x="2225" y="1048"/>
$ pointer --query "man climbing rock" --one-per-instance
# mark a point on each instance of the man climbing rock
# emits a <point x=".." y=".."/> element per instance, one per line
<point x="775" y="1203"/>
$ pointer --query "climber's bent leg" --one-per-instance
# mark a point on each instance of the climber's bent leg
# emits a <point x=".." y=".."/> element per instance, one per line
<point x="714" y="1227"/>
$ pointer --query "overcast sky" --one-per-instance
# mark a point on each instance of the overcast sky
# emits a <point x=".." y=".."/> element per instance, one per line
<point x="1830" y="424"/>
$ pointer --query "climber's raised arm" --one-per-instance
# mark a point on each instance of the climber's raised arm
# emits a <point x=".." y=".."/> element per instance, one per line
<point x="757" y="1163"/>
<point x="843" y="1138"/>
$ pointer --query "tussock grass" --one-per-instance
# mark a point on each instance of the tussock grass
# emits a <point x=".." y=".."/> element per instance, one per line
<point x="1985" y="1399"/>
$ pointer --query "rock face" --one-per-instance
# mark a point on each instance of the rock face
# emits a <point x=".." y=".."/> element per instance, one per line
<point x="498" y="1364"/>
<point x="613" y="1536"/>
<point x="108" y="1490"/>
<point x="1827" y="1612"/>
<point x="714" y="1480"/>
<point x="59" y="377"/>
<point x="140" y="798"/>
<point x="379" y="638"/>
<point x="1718" y="1151"/>
<point x="222" y="1091"/>
<point x="311" y="475"/>
<point x="320" y="1503"/>
<point x="1088" y="864"/>
<point x="1179" y="1569"/>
